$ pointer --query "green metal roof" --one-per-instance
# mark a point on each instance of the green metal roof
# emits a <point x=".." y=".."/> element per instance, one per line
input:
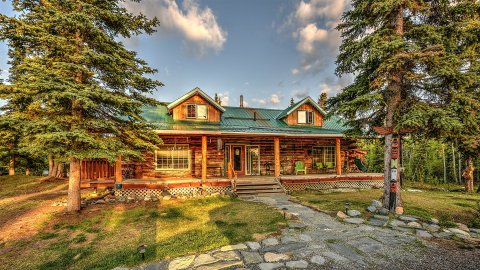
<point x="241" y="120"/>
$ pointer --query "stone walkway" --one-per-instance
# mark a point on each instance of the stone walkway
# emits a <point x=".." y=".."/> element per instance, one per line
<point x="313" y="241"/>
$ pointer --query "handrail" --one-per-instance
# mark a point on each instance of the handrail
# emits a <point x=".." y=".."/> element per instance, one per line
<point x="234" y="180"/>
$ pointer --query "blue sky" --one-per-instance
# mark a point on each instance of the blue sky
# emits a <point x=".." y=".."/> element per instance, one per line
<point x="269" y="50"/>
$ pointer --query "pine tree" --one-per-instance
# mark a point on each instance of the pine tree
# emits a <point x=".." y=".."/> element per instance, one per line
<point x="322" y="100"/>
<point x="386" y="44"/>
<point x="82" y="90"/>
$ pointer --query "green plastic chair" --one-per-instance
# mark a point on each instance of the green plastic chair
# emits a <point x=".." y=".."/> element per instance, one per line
<point x="320" y="166"/>
<point x="300" y="167"/>
<point x="360" y="165"/>
<point x="329" y="165"/>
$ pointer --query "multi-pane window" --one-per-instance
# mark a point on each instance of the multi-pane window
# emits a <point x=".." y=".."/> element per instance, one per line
<point x="323" y="154"/>
<point x="305" y="117"/>
<point x="172" y="157"/>
<point x="197" y="111"/>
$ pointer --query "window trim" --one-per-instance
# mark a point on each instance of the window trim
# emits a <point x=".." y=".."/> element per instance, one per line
<point x="196" y="111"/>
<point x="189" y="159"/>
<point x="313" y="117"/>
<point x="324" y="154"/>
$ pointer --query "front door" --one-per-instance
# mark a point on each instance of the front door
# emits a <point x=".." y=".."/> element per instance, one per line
<point x="238" y="159"/>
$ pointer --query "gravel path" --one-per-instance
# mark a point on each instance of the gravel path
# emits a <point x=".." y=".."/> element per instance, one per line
<point x="317" y="241"/>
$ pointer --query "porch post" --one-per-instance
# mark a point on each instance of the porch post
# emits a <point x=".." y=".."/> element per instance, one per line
<point x="118" y="169"/>
<point x="204" y="157"/>
<point x="276" y="152"/>
<point x="338" y="156"/>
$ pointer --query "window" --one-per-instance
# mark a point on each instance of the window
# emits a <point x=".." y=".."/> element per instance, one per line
<point x="191" y="111"/>
<point x="172" y="157"/>
<point x="197" y="111"/>
<point x="305" y="117"/>
<point x="302" y="117"/>
<point x="323" y="154"/>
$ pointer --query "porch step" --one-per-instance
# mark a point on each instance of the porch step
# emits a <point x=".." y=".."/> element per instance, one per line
<point x="249" y="188"/>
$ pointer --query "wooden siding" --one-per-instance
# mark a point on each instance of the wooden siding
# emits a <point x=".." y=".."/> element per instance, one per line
<point x="180" y="111"/>
<point x="292" y="118"/>
<point x="291" y="150"/>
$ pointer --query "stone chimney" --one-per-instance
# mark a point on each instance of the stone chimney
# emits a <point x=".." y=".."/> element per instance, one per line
<point x="241" y="101"/>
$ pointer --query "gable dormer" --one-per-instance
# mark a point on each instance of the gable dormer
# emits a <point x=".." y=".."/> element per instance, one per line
<point x="306" y="112"/>
<point x="196" y="105"/>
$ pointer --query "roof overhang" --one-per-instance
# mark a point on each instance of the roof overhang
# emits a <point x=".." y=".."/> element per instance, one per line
<point x="193" y="93"/>
<point x="229" y="133"/>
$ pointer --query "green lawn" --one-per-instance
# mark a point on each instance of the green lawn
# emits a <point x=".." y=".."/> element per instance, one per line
<point x="446" y="206"/>
<point x="106" y="236"/>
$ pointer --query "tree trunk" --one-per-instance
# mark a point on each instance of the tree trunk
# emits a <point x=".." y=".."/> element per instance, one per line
<point x="11" y="165"/>
<point x="444" y="165"/>
<point x="51" y="165"/>
<point x="454" y="164"/>
<point x="73" y="203"/>
<point x="59" y="170"/>
<point x="468" y="175"/>
<point x="393" y="99"/>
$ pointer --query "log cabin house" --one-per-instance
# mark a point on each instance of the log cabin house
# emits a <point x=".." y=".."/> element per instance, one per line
<point x="219" y="148"/>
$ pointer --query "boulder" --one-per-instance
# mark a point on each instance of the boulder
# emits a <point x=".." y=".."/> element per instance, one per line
<point x="297" y="264"/>
<point x="376" y="204"/>
<point x="275" y="257"/>
<point x="317" y="259"/>
<point x="434" y="221"/>
<point x="386" y="218"/>
<point x="414" y="224"/>
<point x="397" y="223"/>
<point x="341" y="215"/>
<point x="383" y="211"/>
<point x="459" y="232"/>
<point x="253" y="245"/>
<point x="354" y="220"/>
<point x="371" y="209"/>
<point x="462" y="227"/>
<point x="353" y="213"/>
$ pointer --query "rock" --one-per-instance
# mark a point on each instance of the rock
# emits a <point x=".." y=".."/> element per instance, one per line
<point x="414" y="190"/>
<point x="166" y="197"/>
<point x="443" y="235"/>
<point x="181" y="263"/>
<point x="354" y="220"/>
<point x="121" y="198"/>
<point x="317" y="259"/>
<point x="289" y="215"/>
<point x="376" y="204"/>
<point x="233" y="247"/>
<point x="251" y="257"/>
<point x="226" y="256"/>
<point x="220" y="265"/>
<point x="371" y="209"/>
<point x="296" y="225"/>
<point x="431" y="227"/>
<point x="271" y="241"/>
<point x="203" y="259"/>
<point x="275" y="257"/>
<point x="305" y="237"/>
<point x="459" y="232"/>
<point x="154" y="199"/>
<point x="386" y="218"/>
<point x="297" y="264"/>
<point x="434" y="221"/>
<point x="147" y="198"/>
<point x="462" y="227"/>
<point x="287" y="239"/>
<point x="414" y="224"/>
<point x="399" y="210"/>
<point x="474" y="230"/>
<point x="407" y="218"/>
<point x="253" y="245"/>
<point x="423" y="234"/>
<point x="270" y="266"/>
<point x="377" y="222"/>
<point x="100" y="201"/>
<point x="165" y="192"/>
<point x="397" y="223"/>
<point x="383" y="211"/>
<point x="341" y="215"/>
<point x="354" y="213"/>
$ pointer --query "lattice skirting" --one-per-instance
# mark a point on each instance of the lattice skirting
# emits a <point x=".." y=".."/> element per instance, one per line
<point x="142" y="192"/>
<point x="332" y="185"/>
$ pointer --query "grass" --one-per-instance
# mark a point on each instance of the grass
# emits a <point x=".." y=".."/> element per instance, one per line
<point x="448" y="207"/>
<point x="20" y="184"/>
<point x="107" y="236"/>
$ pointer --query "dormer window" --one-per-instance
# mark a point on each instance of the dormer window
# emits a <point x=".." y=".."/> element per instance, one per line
<point x="197" y="111"/>
<point x="304" y="117"/>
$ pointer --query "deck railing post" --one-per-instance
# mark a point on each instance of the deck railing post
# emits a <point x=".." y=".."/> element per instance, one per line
<point x="204" y="158"/>
<point x="338" y="157"/>
<point x="276" y="151"/>
<point x="118" y="169"/>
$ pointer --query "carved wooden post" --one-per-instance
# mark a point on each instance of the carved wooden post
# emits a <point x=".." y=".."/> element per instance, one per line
<point x="276" y="151"/>
<point x="118" y="170"/>
<point x="204" y="158"/>
<point x="338" y="156"/>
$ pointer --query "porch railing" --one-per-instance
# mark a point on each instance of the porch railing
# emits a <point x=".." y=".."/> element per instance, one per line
<point x="233" y="174"/>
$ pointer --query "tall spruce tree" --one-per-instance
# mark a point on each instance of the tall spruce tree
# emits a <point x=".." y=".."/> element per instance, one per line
<point x="388" y="46"/>
<point x="82" y="90"/>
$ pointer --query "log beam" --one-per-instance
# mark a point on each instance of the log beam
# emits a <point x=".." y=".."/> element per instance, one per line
<point x="276" y="150"/>
<point x="204" y="157"/>
<point x="338" y="157"/>
<point x="118" y="170"/>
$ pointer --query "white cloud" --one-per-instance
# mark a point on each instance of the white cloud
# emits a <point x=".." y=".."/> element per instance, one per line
<point x="259" y="101"/>
<point x="274" y="99"/>
<point x="314" y="30"/>
<point x="299" y="94"/>
<point x="198" y="26"/>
